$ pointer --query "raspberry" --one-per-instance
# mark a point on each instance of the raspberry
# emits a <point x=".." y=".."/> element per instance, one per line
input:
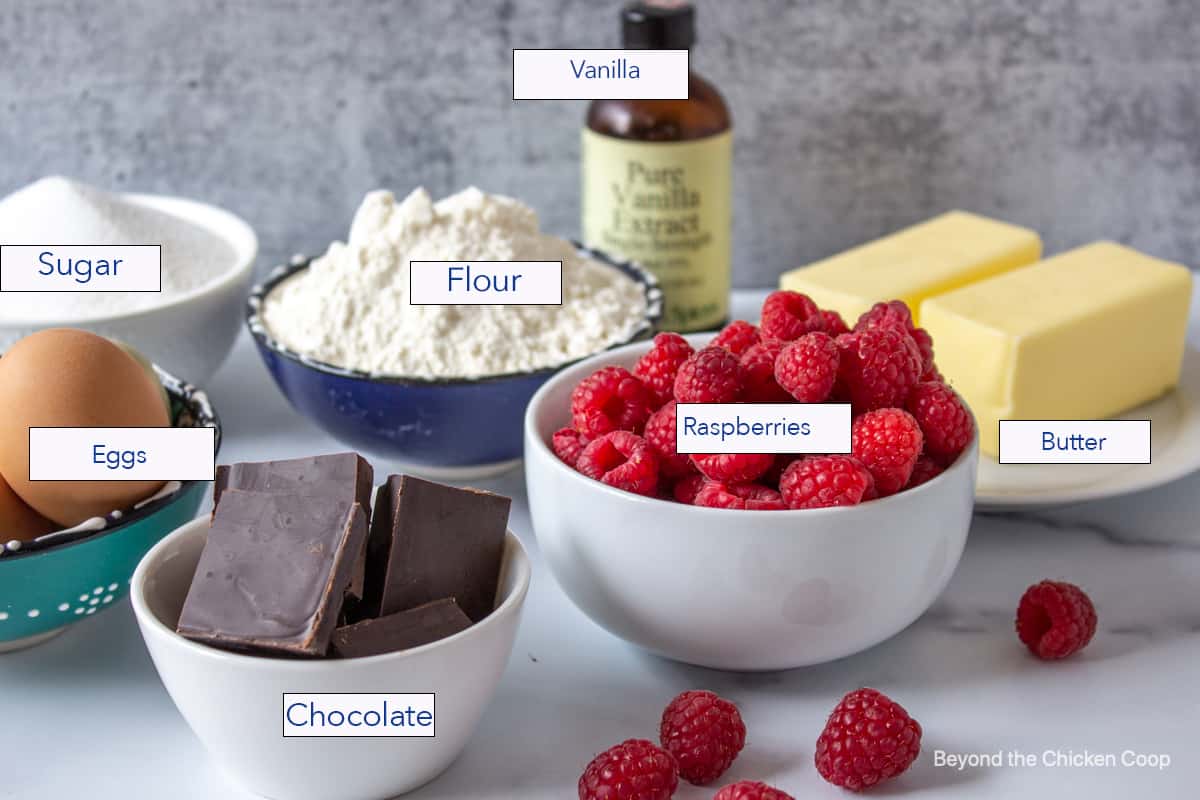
<point x="736" y="337"/>
<point x="751" y="790"/>
<point x="897" y="313"/>
<point x="733" y="467"/>
<point x="878" y="367"/>
<point x="711" y="375"/>
<point x="789" y="315"/>
<point x="1055" y="619"/>
<point x="782" y="461"/>
<point x="759" y="363"/>
<point x="925" y="346"/>
<point x="823" y="481"/>
<point x="658" y="367"/>
<point x="660" y="434"/>
<point x="808" y="367"/>
<point x="686" y="489"/>
<point x="636" y="769"/>
<point x="887" y="441"/>
<point x="925" y="470"/>
<point x="623" y="460"/>
<point x="833" y="324"/>
<point x="944" y="419"/>
<point x="868" y="738"/>
<point x="882" y="315"/>
<point x="567" y="444"/>
<point x="610" y="399"/>
<point x="704" y="733"/>
<point x="752" y="496"/>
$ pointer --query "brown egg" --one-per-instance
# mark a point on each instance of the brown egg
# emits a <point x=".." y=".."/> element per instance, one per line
<point x="63" y="377"/>
<point x="17" y="520"/>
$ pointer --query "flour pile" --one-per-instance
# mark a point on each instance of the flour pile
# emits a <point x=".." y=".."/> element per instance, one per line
<point x="350" y="307"/>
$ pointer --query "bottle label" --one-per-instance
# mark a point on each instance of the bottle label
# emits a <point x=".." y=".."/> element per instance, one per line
<point x="665" y="205"/>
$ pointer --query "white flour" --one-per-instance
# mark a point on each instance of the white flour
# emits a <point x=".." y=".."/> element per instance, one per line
<point x="58" y="211"/>
<point x="350" y="307"/>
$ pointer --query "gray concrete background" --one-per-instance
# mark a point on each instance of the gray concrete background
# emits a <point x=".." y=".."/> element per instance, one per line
<point x="853" y="117"/>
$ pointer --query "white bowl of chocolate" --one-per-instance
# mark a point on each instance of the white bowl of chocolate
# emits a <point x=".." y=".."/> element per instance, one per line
<point x="323" y="650"/>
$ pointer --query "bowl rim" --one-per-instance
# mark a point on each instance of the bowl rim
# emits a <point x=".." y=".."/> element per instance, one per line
<point x="262" y="336"/>
<point x="206" y="416"/>
<point x="234" y="231"/>
<point x="516" y="557"/>
<point x="966" y="460"/>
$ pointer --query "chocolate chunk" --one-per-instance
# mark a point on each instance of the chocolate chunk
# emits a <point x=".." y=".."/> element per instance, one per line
<point x="430" y="541"/>
<point x="401" y="631"/>
<point x="337" y="476"/>
<point x="273" y="572"/>
<point x="345" y="476"/>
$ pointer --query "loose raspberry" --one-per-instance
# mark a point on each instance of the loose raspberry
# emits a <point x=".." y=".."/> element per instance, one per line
<point x="750" y="496"/>
<point x="944" y="419"/>
<point x="610" y="399"/>
<point x="878" y="367"/>
<point x="660" y="434"/>
<point x="567" y="444"/>
<point x="868" y="739"/>
<point x="736" y="337"/>
<point x="733" y="467"/>
<point x="686" y="489"/>
<point x="704" y="733"/>
<point x="711" y="375"/>
<point x="751" y="790"/>
<point x="789" y="315"/>
<point x="887" y="441"/>
<point x="897" y="313"/>
<point x="657" y="369"/>
<point x="636" y="769"/>
<point x="622" y="460"/>
<point x="824" y="481"/>
<point x="759" y="363"/>
<point x="833" y="324"/>
<point x="808" y="367"/>
<point x="925" y="470"/>
<point x="1055" y="619"/>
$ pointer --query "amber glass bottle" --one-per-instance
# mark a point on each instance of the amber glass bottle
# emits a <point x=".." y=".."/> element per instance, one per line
<point x="657" y="178"/>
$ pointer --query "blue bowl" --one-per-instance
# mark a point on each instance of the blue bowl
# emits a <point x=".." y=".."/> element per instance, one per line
<point x="61" y="578"/>
<point x="449" y="428"/>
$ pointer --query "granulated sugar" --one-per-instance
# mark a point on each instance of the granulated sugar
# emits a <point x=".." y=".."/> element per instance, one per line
<point x="350" y="307"/>
<point x="59" y="211"/>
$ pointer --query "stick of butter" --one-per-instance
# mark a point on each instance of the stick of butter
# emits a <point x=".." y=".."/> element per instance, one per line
<point x="935" y="256"/>
<point x="1086" y="334"/>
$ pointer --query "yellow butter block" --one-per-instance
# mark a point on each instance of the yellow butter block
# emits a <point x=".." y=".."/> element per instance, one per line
<point x="1083" y="335"/>
<point x="935" y="256"/>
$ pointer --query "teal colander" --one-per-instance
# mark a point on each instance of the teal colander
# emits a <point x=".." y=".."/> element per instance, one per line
<point x="63" y="577"/>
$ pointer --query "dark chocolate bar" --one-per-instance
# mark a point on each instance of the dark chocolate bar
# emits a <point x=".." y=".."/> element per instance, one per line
<point x="430" y="541"/>
<point x="274" y="572"/>
<point x="337" y="476"/>
<point x="400" y="631"/>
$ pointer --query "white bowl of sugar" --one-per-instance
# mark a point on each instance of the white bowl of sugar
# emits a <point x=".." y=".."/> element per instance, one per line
<point x="208" y="255"/>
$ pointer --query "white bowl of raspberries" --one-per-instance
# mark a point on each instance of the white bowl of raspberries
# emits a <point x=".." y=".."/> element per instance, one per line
<point x="752" y="561"/>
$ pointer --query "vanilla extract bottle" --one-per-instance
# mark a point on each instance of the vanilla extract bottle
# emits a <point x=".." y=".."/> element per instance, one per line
<point x="657" y="178"/>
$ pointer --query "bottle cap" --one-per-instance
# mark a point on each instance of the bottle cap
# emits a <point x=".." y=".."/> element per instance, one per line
<point x="658" y="25"/>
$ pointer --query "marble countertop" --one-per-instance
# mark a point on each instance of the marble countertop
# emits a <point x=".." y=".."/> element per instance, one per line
<point x="86" y="716"/>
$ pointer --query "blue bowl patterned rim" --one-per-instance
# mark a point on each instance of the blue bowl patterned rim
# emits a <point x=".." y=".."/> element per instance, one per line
<point x="258" y="329"/>
<point x="194" y="410"/>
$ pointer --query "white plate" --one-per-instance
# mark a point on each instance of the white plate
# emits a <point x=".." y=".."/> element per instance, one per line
<point x="1174" y="452"/>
